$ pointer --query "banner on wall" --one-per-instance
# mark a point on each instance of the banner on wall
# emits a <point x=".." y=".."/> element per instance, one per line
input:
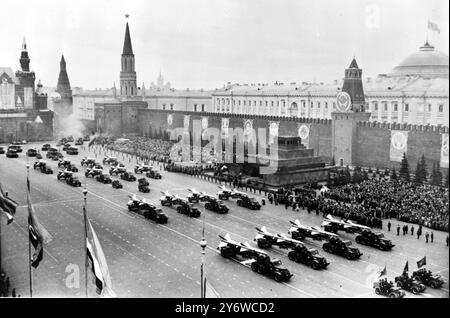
<point x="170" y="120"/>
<point x="399" y="145"/>
<point x="248" y="129"/>
<point x="204" y="123"/>
<point x="444" y="151"/>
<point x="273" y="131"/>
<point x="303" y="133"/>
<point x="225" y="125"/>
<point x="186" y="121"/>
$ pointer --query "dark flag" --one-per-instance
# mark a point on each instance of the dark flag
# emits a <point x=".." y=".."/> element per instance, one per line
<point x="38" y="235"/>
<point x="7" y="205"/>
<point x="383" y="272"/>
<point x="92" y="141"/>
<point x="97" y="262"/>
<point x="422" y="262"/>
<point x="406" y="269"/>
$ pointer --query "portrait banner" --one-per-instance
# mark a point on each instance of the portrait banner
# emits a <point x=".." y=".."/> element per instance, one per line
<point x="186" y="121"/>
<point x="225" y="125"/>
<point x="399" y="145"/>
<point x="303" y="133"/>
<point x="248" y="129"/>
<point x="444" y="151"/>
<point x="273" y="131"/>
<point x="170" y="120"/>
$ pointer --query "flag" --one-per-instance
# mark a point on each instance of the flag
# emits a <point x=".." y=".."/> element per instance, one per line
<point x="92" y="141"/>
<point x="38" y="235"/>
<point x="383" y="272"/>
<point x="7" y="205"/>
<point x="434" y="27"/>
<point x="98" y="265"/>
<point x="406" y="268"/>
<point x="422" y="262"/>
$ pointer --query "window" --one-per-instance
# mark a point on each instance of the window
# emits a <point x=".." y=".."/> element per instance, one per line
<point x="203" y="107"/>
<point x="395" y="107"/>
<point x="441" y="108"/>
<point x="312" y="104"/>
<point x="171" y="106"/>
<point x="271" y="103"/>
<point x="429" y="108"/>
<point x="254" y="103"/>
<point x="260" y="103"/>
<point x="239" y="102"/>
<point x="406" y="107"/>
<point x="163" y="106"/>
<point x="385" y="107"/>
<point x="195" y="107"/>
<point x="245" y="102"/>
<point x="326" y="105"/>
<point x="318" y="105"/>
<point x="375" y="106"/>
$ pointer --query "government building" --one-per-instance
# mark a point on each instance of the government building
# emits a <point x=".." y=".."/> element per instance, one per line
<point x="415" y="92"/>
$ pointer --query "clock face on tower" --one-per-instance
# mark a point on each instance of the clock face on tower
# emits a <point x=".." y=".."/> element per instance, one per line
<point x="343" y="102"/>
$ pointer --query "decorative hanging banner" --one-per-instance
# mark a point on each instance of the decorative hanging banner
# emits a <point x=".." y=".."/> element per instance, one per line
<point x="225" y="125"/>
<point x="248" y="129"/>
<point x="303" y="133"/>
<point x="444" y="151"/>
<point x="273" y="131"/>
<point x="170" y="120"/>
<point x="399" y="145"/>
<point x="186" y="121"/>
<point x="204" y="122"/>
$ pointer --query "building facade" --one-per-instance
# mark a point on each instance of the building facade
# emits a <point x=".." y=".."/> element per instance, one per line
<point x="23" y="107"/>
<point x="415" y="92"/>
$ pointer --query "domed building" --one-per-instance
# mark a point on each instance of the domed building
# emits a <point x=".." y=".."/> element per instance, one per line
<point x="414" y="92"/>
<point x="427" y="62"/>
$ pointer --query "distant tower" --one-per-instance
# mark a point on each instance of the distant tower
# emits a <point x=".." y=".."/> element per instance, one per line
<point x="24" y="59"/>
<point x="345" y="117"/>
<point x="128" y="86"/>
<point x="143" y="91"/>
<point x="354" y="87"/>
<point x="160" y="80"/>
<point x="25" y="89"/>
<point x="63" y="86"/>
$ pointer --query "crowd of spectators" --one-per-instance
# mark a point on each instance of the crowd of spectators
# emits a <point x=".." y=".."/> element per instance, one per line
<point x="426" y="205"/>
<point x="298" y="198"/>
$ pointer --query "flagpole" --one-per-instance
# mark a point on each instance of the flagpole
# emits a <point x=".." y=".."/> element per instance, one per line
<point x="86" y="264"/>
<point x="203" y="245"/>
<point x="30" y="273"/>
<point x="1" y="267"/>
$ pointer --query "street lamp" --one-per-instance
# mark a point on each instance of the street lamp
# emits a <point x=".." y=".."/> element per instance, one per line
<point x="28" y="123"/>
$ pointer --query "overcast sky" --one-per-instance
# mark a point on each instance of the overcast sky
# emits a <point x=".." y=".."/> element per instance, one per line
<point x="206" y="43"/>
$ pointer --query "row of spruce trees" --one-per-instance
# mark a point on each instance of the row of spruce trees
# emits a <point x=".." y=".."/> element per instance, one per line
<point x="421" y="174"/>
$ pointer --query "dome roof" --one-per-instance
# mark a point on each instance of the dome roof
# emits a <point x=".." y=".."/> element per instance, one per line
<point x="426" y="62"/>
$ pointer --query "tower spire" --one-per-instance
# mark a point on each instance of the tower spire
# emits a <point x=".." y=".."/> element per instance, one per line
<point x="353" y="86"/>
<point x="24" y="59"/>
<point x="127" y="48"/>
<point x="128" y="85"/>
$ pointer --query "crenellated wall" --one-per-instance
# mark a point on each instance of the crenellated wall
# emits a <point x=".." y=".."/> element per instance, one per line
<point x="374" y="140"/>
<point x="319" y="136"/>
